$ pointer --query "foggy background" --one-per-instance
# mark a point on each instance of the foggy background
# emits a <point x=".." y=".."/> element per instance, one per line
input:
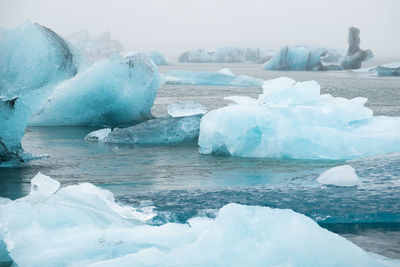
<point x="173" y="26"/>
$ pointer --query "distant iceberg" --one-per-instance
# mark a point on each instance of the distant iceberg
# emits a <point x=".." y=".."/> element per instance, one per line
<point x="293" y="120"/>
<point x="97" y="47"/>
<point x="227" y="55"/>
<point x="389" y="69"/>
<point x="82" y="225"/>
<point x="186" y="108"/>
<point x="224" y="77"/>
<point x="157" y="58"/>
<point x="318" y="58"/>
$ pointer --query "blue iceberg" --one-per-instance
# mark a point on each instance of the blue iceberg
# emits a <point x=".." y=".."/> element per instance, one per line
<point x="355" y="55"/>
<point x="222" y="78"/>
<point x="157" y="58"/>
<point x="293" y="120"/>
<point x="82" y="225"/>
<point x="389" y="69"/>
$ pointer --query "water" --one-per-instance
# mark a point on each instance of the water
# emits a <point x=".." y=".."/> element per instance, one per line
<point x="181" y="183"/>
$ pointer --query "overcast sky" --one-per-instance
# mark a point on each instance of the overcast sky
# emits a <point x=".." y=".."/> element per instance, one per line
<point x="172" y="26"/>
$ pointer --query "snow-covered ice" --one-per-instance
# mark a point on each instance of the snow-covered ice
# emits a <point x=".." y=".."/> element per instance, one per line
<point x="293" y="120"/>
<point x="222" y="77"/>
<point x="344" y="175"/>
<point x="157" y="58"/>
<point x="186" y="108"/>
<point x="82" y="225"/>
<point x="98" y="135"/>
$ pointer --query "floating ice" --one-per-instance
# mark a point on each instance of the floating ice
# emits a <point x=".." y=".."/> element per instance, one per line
<point x="187" y="108"/>
<point x="114" y="92"/>
<point x="98" y="47"/>
<point x="227" y="71"/>
<point x="210" y="78"/>
<point x="158" y="58"/>
<point x="343" y="175"/>
<point x="98" y="135"/>
<point x="82" y="225"/>
<point x="292" y="120"/>
<point x="390" y="69"/>
<point x="227" y="55"/>
<point x="42" y="187"/>
<point x="355" y="56"/>
<point x="160" y="131"/>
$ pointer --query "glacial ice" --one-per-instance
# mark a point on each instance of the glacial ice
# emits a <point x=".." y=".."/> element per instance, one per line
<point x="98" y="135"/>
<point x="222" y="77"/>
<point x="292" y="120"/>
<point x="114" y="92"/>
<point x="227" y="54"/>
<point x="47" y="60"/>
<point x="159" y="131"/>
<point x="389" y="69"/>
<point x="157" y="58"/>
<point x="82" y="225"/>
<point x="98" y="47"/>
<point x="318" y="58"/>
<point x="186" y="108"/>
<point x="344" y="175"/>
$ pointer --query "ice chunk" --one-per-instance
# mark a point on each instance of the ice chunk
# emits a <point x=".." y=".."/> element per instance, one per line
<point x="227" y="54"/>
<point x="227" y="71"/>
<point x="157" y="58"/>
<point x="160" y="131"/>
<point x="114" y="92"/>
<point x="389" y="69"/>
<point x="210" y="78"/>
<point x="355" y="56"/>
<point x="98" y="47"/>
<point x="98" y="135"/>
<point x="82" y="225"/>
<point x="187" y="108"/>
<point x="343" y="175"/>
<point x="297" y="122"/>
<point x="42" y="187"/>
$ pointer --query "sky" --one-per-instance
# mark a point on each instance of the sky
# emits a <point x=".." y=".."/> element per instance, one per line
<point x="173" y="26"/>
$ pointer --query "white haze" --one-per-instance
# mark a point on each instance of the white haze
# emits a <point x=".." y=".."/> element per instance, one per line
<point x="177" y="25"/>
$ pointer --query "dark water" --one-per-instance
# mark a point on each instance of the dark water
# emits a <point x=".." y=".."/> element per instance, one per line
<point x="181" y="183"/>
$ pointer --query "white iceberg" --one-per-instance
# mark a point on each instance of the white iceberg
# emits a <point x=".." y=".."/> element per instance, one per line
<point x="97" y="47"/>
<point x="344" y="175"/>
<point x="157" y="58"/>
<point x="222" y="78"/>
<point x="82" y="225"/>
<point x="292" y="120"/>
<point x="186" y="108"/>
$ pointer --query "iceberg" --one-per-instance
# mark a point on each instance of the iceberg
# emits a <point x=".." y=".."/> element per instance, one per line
<point x="187" y="108"/>
<point x="159" y="131"/>
<point x="157" y="58"/>
<point x="319" y="58"/>
<point x="33" y="59"/>
<point x="115" y="92"/>
<point x="82" y="225"/>
<point x="293" y="120"/>
<point x="389" y="69"/>
<point x="222" y="78"/>
<point x="344" y="175"/>
<point x="227" y="54"/>
<point x="98" y="47"/>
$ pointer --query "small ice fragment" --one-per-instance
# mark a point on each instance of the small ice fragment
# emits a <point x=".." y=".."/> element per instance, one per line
<point x="227" y="71"/>
<point x="186" y="108"/>
<point x="43" y="186"/>
<point x="98" y="135"/>
<point x="343" y="175"/>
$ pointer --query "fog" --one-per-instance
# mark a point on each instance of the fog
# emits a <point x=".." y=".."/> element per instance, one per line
<point x="176" y="25"/>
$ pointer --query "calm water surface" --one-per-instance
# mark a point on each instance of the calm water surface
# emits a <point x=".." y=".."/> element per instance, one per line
<point x="181" y="183"/>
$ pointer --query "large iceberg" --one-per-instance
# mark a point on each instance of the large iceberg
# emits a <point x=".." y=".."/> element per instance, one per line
<point x="97" y="47"/>
<point x="82" y="225"/>
<point x="227" y="54"/>
<point x="318" y="58"/>
<point x="114" y="92"/>
<point x="157" y="58"/>
<point x="33" y="59"/>
<point x="293" y="120"/>
<point x="221" y="77"/>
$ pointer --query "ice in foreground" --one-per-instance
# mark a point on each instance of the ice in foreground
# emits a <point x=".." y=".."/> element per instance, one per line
<point x="221" y="77"/>
<point x="343" y="175"/>
<point x="293" y="120"/>
<point x="82" y="225"/>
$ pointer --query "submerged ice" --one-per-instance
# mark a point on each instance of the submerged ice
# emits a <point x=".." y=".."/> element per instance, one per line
<point x="83" y="225"/>
<point x="224" y="77"/>
<point x="293" y="120"/>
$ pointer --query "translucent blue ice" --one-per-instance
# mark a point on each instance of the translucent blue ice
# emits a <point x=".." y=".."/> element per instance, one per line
<point x="389" y="69"/>
<point x="157" y="58"/>
<point x="292" y="120"/>
<point x="210" y="78"/>
<point x="82" y="225"/>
